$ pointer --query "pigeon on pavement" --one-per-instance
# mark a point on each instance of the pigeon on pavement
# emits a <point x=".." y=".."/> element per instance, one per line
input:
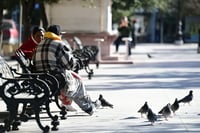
<point x="152" y="117"/>
<point x="144" y="109"/>
<point x="104" y="103"/>
<point x="97" y="103"/>
<point x="165" y="111"/>
<point x="175" y="106"/>
<point x="187" y="99"/>
<point x="148" y="55"/>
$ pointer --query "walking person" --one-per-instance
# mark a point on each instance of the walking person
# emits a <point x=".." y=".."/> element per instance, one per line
<point x="133" y="34"/>
<point x="53" y="55"/>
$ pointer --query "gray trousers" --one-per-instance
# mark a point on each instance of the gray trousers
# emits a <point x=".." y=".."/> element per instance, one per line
<point x="77" y="92"/>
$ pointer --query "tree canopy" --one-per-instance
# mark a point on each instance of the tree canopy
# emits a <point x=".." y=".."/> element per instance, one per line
<point x="119" y="8"/>
<point x="129" y="7"/>
<point x="30" y="15"/>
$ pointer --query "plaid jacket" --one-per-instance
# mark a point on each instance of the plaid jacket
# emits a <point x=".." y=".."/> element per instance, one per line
<point x="53" y="54"/>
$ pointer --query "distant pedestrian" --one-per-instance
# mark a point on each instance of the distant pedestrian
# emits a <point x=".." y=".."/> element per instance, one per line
<point x="133" y="34"/>
<point x="124" y="30"/>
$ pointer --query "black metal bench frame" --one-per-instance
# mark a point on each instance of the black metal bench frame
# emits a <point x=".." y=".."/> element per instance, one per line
<point x="86" y="51"/>
<point x="26" y="66"/>
<point x="38" y="87"/>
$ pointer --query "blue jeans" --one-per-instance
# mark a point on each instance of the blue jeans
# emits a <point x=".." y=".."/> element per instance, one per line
<point x="119" y="41"/>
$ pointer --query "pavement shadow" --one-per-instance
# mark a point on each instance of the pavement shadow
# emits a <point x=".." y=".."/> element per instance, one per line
<point x="173" y="78"/>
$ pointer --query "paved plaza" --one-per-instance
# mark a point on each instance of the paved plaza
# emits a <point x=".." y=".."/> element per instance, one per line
<point x="159" y="74"/>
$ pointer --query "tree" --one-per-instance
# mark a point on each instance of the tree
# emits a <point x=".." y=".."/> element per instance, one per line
<point x="28" y="6"/>
<point x="121" y="8"/>
<point x="128" y="7"/>
<point x="1" y="17"/>
<point x="28" y="10"/>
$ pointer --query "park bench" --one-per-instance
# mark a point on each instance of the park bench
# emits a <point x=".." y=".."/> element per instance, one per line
<point x="4" y="114"/>
<point x="37" y="90"/>
<point x="27" y="67"/>
<point x="86" y="51"/>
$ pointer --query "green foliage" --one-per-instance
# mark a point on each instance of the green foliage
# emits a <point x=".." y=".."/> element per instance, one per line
<point x="173" y="7"/>
<point x="128" y="7"/>
<point x="121" y="8"/>
<point x="122" y="4"/>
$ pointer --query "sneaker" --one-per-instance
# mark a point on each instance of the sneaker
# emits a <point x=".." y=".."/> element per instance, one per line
<point x="69" y="108"/>
<point x="90" y="111"/>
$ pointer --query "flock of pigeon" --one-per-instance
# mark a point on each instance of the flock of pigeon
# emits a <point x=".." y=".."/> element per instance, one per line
<point x="166" y="110"/>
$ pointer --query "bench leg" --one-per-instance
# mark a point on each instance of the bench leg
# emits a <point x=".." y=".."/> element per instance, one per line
<point x="26" y="113"/>
<point x="55" y="121"/>
<point x="13" y="108"/>
<point x="89" y="71"/>
<point x="63" y="111"/>
<point x="2" y="129"/>
<point x="37" y="117"/>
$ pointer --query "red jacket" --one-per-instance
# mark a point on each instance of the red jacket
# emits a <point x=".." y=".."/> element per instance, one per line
<point x="28" y="47"/>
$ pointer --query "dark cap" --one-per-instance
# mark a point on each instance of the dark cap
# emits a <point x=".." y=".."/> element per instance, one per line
<point x="55" y="29"/>
<point x="36" y="29"/>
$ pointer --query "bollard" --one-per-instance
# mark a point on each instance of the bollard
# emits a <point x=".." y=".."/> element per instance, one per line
<point x="127" y="40"/>
<point x="99" y="40"/>
<point x="179" y="40"/>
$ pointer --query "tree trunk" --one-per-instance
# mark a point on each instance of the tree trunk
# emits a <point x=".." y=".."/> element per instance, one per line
<point x="27" y="9"/>
<point x="43" y="15"/>
<point x="1" y="17"/>
<point x="1" y="11"/>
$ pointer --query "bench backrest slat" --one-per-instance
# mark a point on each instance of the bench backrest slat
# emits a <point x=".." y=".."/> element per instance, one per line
<point x="5" y="70"/>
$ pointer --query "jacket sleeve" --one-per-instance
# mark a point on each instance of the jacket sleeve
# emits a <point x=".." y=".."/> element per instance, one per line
<point x="67" y="59"/>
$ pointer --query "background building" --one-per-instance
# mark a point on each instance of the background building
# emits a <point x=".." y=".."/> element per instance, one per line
<point x="88" y="20"/>
<point x="81" y="16"/>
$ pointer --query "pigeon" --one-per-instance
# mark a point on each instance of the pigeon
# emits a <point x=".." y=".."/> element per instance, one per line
<point x="187" y="99"/>
<point x="165" y="111"/>
<point x="152" y="117"/>
<point x="148" y="55"/>
<point x="144" y="109"/>
<point x="104" y="103"/>
<point x="175" y="106"/>
<point x="97" y="103"/>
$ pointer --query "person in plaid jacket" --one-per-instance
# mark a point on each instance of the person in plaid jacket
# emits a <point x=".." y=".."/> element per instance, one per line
<point x="53" y="55"/>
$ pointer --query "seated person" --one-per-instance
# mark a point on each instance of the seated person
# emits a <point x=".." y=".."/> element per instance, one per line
<point x="24" y="53"/>
<point x="53" y="55"/>
<point x="28" y="46"/>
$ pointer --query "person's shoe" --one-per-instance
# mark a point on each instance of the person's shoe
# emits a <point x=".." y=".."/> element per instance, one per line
<point x="90" y="110"/>
<point x="69" y="108"/>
